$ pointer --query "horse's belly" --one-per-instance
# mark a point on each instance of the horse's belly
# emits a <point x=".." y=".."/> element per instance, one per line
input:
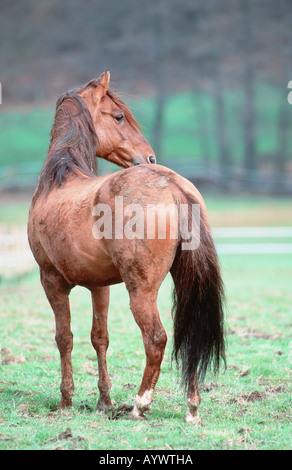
<point x="81" y="260"/>
<point x="84" y="268"/>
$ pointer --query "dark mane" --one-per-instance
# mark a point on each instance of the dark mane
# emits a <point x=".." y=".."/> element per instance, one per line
<point x="73" y="143"/>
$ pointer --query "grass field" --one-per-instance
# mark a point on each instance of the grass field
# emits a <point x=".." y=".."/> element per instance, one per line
<point x="247" y="407"/>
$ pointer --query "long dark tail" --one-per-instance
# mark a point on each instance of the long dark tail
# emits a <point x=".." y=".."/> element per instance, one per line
<point x="198" y="299"/>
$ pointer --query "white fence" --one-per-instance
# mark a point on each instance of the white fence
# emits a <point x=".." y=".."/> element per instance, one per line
<point x="16" y="257"/>
<point x="247" y="233"/>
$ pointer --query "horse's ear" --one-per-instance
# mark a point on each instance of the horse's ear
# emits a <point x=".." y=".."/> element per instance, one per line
<point x="102" y="88"/>
<point x="106" y="79"/>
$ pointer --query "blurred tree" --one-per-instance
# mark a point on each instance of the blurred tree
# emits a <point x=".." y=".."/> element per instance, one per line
<point x="226" y="54"/>
<point x="159" y="31"/>
<point x="248" y="88"/>
<point x="281" y="157"/>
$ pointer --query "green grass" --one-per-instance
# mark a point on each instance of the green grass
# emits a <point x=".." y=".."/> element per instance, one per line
<point x="247" y="407"/>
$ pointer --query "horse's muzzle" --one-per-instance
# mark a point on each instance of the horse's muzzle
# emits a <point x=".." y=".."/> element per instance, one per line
<point x="150" y="159"/>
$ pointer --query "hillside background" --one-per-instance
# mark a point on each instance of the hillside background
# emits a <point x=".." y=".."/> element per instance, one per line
<point x="208" y="80"/>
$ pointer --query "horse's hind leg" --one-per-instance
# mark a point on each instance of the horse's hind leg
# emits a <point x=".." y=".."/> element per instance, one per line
<point x="100" y="342"/>
<point x="57" y="291"/>
<point x="144" y="309"/>
<point x="194" y="400"/>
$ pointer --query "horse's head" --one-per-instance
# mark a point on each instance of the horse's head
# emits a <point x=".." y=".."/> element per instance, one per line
<point x="119" y="137"/>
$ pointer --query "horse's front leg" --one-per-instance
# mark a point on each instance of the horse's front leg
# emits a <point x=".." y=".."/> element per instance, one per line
<point x="57" y="291"/>
<point x="144" y="309"/>
<point x="100" y="342"/>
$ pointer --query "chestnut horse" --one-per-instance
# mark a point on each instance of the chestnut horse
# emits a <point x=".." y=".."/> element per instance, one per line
<point x="92" y="121"/>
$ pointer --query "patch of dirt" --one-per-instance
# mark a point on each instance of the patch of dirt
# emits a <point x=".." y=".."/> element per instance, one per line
<point x="252" y="397"/>
<point x="272" y="389"/>
<point x="48" y="358"/>
<point x="129" y="386"/>
<point x="23" y="410"/>
<point x="121" y="412"/>
<point x="211" y="386"/>
<point x="4" y="438"/>
<point x="166" y="392"/>
<point x="248" y="398"/>
<point x="68" y="436"/>
<point x="254" y="334"/>
<point x="245" y="434"/>
<point x="90" y="369"/>
<point x="244" y="372"/>
<point x="241" y="372"/>
<point x="244" y="430"/>
<point x="259" y="334"/>
<point x="7" y="357"/>
<point x="85" y="407"/>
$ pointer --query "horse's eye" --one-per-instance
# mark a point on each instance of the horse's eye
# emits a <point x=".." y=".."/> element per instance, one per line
<point x="119" y="117"/>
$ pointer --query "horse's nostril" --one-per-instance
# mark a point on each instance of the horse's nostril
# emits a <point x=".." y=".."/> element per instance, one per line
<point x="151" y="159"/>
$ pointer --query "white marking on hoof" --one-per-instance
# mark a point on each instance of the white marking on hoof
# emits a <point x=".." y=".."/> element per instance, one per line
<point x="193" y="418"/>
<point x="136" y="414"/>
<point x="142" y="404"/>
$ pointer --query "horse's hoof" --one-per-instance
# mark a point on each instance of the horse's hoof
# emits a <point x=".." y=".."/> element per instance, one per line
<point x="193" y="418"/>
<point x="65" y="403"/>
<point x="104" y="406"/>
<point x="137" y="416"/>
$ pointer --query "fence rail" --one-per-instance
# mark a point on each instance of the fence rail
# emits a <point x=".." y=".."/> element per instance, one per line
<point x="26" y="175"/>
<point x="249" y="233"/>
<point x="20" y="176"/>
<point x="16" y="257"/>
